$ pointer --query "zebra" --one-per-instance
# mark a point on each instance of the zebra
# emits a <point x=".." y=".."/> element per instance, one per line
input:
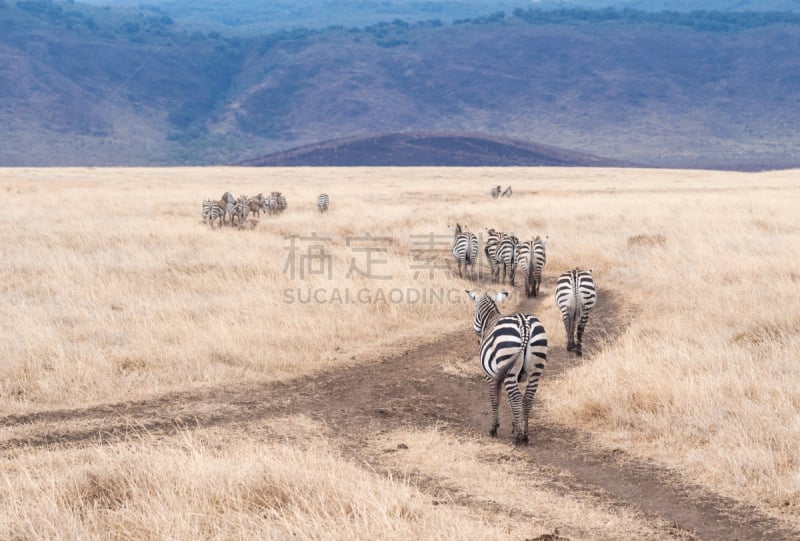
<point x="524" y="251"/>
<point x="531" y="259"/>
<point x="322" y="202"/>
<point x="227" y="201"/>
<point x="496" y="192"/>
<point x="507" y="192"/>
<point x="257" y="204"/>
<point x="507" y="256"/>
<point x="239" y="210"/>
<point x="512" y="348"/>
<point x="575" y="297"/>
<point x="212" y="210"/>
<point x="493" y="239"/>
<point x="276" y="203"/>
<point x="464" y="249"/>
<point x="539" y="258"/>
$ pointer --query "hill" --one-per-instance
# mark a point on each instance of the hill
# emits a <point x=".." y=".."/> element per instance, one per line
<point x="85" y="85"/>
<point x="428" y="149"/>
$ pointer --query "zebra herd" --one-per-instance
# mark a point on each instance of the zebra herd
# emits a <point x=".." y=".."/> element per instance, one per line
<point x="229" y="210"/>
<point x="504" y="252"/>
<point x="498" y="191"/>
<point x="513" y="348"/>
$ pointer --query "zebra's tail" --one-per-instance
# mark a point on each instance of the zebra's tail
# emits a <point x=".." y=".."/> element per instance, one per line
<point x="501" y="376"/>
<point x="518" y="359"/>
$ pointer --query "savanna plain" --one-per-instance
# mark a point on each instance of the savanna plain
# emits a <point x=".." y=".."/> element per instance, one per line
<point x="312" y="375"/>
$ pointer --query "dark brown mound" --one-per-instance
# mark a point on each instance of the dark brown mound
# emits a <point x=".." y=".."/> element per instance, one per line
<point x="429" y="149"/>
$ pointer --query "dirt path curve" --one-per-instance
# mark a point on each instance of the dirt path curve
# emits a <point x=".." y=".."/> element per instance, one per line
<point x="412" y="390"/>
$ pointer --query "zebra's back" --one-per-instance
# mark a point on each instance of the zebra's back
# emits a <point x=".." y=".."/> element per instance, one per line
<point x="517" y="338"/>
<point x="576" y="295"/>
<point x="322" y="202"/>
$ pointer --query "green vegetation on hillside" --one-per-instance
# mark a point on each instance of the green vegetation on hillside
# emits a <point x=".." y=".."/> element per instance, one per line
<point x="699" y="20"/>
<point x="126" y="84"/>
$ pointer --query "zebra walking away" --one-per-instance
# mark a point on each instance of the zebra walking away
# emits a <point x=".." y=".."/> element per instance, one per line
<point x="257" y="204"/>
<point x="538" y="259"/>
<point x="227" y="201"/>
<point x="507" y="192"/>
<point x="493" y="239"/>
<point x="239" y="211"/>
<point x="575" y="297"/>
<point x="322" y="202"/>
<point x="524" y="251"/>
<point x="507" y="256"/>
<point x="496" y="192"/>
<point x="512" y="349"/>
<point x="464" y="249"/>
<point x="212" y="210"/>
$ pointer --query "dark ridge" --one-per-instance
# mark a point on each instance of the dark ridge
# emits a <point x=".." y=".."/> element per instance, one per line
<point x="429" y="149"/>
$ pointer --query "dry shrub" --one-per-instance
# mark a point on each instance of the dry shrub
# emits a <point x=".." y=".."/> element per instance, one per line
<point x="97" y="490"/>
<point x="646" y="240"/>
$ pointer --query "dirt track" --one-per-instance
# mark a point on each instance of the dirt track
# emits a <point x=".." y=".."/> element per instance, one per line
<point x="411" y="390"/>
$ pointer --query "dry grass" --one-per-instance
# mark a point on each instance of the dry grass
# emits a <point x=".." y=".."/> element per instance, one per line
<point x="111" y="288"/>
<point x="509" y="489"/>
<point x="199" y="485"/>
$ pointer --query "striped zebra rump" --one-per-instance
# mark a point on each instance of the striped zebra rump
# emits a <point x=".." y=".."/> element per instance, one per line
<point x="322" y="202"/>
<point x="239" y="211"/>
<point x="537" y="260"/>
<point x="464" y="249"/>
<point x="212" y="210"/>
<point x="257" y="204"/>
<point x="513" y="350"/>
<point x="507" y="256"/>
<point x="493" y="239"/>
<point x="524" y="263"/>
<point x="576" y="295"/>
<point x="496" y="192"/>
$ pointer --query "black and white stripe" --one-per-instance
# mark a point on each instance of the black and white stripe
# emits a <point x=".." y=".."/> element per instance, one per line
<point x="464" y="249"/>
<point x="507" y="192"/>
<point x="238" y="211"/>
<point x="493" y="239"/>
<point x="524" y="263"/>
<point x="575" y="297"/>
<point x="531" y="257"/>
<point x="212" y="210"/>
<point x="538" y="260"/>
<point x="227" y="201"/>
<point x="322" y="202"/>
<point x="276" y="203"/>
<point x="496" y="192"/>
<point x="257" y="204"/>
<point x="507" y="256"/>
<point x="512" y="349"/>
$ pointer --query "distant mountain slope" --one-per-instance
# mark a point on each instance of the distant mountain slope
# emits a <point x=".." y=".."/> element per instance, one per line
<point x="84" y="85"/>
<point x="428" y="149"/>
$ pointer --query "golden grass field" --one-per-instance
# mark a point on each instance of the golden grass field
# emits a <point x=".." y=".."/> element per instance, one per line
<point x="113" y="290"/>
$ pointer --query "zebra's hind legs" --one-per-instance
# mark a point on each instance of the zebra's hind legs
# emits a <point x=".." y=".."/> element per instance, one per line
<point x="520" y="439"/>
<point x="493" y="430"/>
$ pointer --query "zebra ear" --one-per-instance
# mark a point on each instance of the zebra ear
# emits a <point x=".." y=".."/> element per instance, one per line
<point x="472" y="295"/>
<point x="500" y="297"/>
